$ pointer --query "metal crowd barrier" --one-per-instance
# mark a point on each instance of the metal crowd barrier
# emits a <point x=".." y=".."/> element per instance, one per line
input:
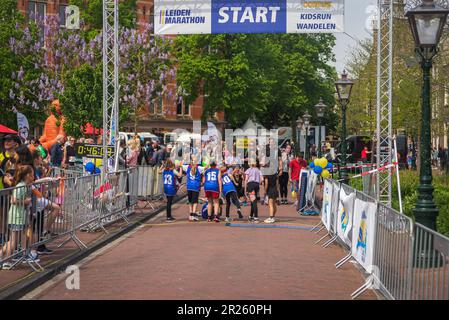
<point x="60" y="207"/>
<point x="74" y="172"/>
<point x="430" y="261"/>
<point x="392" y="252"/>
<point x="146" y="185"/>
<point x="409" y="261"/>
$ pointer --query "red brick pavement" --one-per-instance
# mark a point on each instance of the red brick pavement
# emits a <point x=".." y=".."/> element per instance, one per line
<point x="186" y="260"/>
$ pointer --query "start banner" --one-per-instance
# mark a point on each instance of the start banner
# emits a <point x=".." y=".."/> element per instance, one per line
<point x="248" y="16"/>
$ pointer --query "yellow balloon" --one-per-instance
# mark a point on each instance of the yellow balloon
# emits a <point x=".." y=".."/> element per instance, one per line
<point x="293" y="194"/>
<point x="325" y="174"/>
<point x="316" y="162"/>
<point x="323" y="163"/>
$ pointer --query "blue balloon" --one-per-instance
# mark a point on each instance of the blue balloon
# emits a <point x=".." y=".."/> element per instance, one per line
<point x="318" y="170"/>
<point x="329" y="166"/>
<point x="90" y="167"/>
<point x="312" y="165"/>
<point x="97" y="170"/>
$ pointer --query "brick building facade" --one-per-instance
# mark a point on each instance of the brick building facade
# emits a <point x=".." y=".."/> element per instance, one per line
<point x="159" y="116"/>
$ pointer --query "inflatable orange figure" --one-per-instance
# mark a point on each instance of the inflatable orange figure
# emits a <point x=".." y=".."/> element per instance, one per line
<point x="51" y="128"/>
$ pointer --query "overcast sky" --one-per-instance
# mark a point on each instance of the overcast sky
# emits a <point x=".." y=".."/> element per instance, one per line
<point x="357" y="13"/>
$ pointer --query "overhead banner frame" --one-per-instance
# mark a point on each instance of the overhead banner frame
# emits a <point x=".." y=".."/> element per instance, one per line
<point x="248" y="16"/>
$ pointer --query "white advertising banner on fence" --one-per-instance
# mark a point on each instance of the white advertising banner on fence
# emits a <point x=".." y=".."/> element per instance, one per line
<point x="327" y="203"/>
<point x="363" y="233"/>
<point x="335" y="205"/>
<point x="248" y="16"/>
<point x="311" y="184"/>
<point x="344" y="220"/>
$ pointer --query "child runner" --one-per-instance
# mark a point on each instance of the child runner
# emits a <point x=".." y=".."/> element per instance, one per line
<point x="193" y="173"/>
<point x="18" y="214"/>
<point x="230" y="193"/>
<point x="169" y="178"/>
<point x="271" y="190"/>
<point x="212" y="189"/>
<point x="238" y="178"/>
<point x="253" y="178"/>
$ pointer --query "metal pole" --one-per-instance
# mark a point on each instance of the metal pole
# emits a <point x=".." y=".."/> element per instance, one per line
<point x="397" y="174"/>
<point x="319" y="138"/>
<point x="344" y="147"/>
<point x="307" y="144"/>
<point x="425" y="211"/>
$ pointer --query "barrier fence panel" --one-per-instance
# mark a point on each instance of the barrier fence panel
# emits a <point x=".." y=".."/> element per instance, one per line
<point x="66" y="202"/>
<point x="393" y="252"/>
<point x="430" y="260"/>
<point x="112" y="197"/>
<point x="65" y="173"/>
<point x="16" y="227"/>
<point x="146" y="185"/>
<point x="52" y="209"/>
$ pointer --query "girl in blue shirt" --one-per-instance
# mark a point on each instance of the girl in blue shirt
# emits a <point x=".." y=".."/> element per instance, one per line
<point x="212" y="189"/>
<point x="193" y="175"/>
<point x="230" y="193"/>
<point x="169" y="175"/>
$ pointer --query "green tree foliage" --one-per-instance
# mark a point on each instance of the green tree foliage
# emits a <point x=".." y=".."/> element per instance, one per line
<point x="274" y="78"/>
<point x="92" y="13"/>
<point x="18" y="65"/>
<point x="81" y="102"/>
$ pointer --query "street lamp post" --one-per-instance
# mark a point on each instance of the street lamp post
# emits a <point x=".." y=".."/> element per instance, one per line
<point x="299" y="124"/>
<point x="344" y="89"/>
<point x="306" y="119"/>
<point x="320" y="107"/>
<point x="426" y="22"/>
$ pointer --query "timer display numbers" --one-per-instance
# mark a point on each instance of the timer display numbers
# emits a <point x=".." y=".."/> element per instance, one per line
<point x="91" y="150"/>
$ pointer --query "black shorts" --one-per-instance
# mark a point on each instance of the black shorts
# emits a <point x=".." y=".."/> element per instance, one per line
<point x="193" y="196"/>
<point x="253" y="187"/>
<point x="272" y="193"/>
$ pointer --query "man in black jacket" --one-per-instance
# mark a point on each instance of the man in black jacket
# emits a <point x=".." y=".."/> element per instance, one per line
<point x="57" y="152"/>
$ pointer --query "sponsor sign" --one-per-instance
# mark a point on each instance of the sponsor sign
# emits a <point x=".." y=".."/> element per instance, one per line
<point x="363" y="236"/>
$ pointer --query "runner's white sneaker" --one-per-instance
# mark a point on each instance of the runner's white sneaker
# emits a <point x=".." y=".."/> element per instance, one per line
<point x="269" y="220"/>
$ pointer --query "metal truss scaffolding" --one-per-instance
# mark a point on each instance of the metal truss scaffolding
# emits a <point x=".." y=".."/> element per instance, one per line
<point x="110" y="81"/>
<point x="384" y="97"/>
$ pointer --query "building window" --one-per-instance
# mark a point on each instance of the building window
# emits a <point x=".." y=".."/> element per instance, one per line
<point x="159" y="106"/>
<point x="38" y="10"/>
<point x="187" y="109"/>
<point x="62" y="15"/>
<point x="179" y="108"/>
<point x="151" y="107"/>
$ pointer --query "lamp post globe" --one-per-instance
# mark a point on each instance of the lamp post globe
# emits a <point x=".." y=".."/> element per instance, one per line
<point x="426" y="23"/>
<point x="344" y="90"/>
<point x="320" y="108"/>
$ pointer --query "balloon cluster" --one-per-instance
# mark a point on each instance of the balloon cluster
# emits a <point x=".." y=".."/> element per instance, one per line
<point x="321" y="166"/>
<point x="90" y="167"/>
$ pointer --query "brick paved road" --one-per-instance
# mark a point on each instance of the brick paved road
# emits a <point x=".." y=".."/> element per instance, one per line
<point x="203" y="260"/>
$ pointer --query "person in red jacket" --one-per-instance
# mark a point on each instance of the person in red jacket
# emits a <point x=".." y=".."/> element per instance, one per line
<point x="295" y="168"/>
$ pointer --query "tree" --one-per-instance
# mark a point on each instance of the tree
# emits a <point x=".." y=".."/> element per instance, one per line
<point x="271" y="77"/>
<point x="81" y="102"/>
<point x="145" y="69"/>
<point x="23" y="83"/>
